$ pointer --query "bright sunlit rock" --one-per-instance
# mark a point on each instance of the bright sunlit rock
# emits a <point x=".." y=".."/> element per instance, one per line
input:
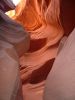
<point x="16" y="1"/>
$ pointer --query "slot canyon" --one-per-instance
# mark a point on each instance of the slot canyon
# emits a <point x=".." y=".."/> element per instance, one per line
<point x="37" y="50"/>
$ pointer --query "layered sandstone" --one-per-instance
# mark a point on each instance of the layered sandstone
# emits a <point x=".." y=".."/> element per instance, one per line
<point x="43" y="19"/>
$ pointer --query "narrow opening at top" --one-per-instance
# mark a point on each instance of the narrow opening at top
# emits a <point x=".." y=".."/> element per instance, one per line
<point x="16" y="2"/>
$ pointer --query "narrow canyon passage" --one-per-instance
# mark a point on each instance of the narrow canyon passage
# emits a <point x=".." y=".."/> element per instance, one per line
<point x="44" y="21"/>
<point x="41" y="19"/>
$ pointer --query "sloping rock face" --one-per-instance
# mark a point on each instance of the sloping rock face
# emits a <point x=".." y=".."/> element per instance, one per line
<point x="41" y="18"/>
<point x="60" y="84"/>
<point x="14" y="42"/>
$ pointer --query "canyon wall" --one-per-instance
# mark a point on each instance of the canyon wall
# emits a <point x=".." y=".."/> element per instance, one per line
<point x="41" y="19"/>
<point x="47" y="21"/>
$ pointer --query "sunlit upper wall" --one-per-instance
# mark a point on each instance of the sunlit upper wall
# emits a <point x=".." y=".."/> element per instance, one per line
<point x="16" y="1"/>
<point x="12" y="12"/>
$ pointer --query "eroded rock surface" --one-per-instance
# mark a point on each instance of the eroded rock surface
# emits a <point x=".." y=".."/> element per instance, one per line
<point x="14" y="42"/>
<point x="60" y="84"/>
<point x="41" y="18"/>
<point x="46" y="22"/>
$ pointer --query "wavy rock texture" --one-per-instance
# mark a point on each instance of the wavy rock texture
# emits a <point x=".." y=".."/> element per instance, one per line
<point x="14" y="42"/>
<point x="41" y="18"/>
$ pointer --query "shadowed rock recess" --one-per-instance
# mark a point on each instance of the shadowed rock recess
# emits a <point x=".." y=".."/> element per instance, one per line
<point x="48" y="24"/>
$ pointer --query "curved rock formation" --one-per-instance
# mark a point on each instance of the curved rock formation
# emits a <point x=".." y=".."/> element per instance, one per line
<point x="14" y="42"/>
<point x="42" y="20"/>
<point x="60" y="81"/>
<point x="46" y="21"/>
<point x="60" y="84"/>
